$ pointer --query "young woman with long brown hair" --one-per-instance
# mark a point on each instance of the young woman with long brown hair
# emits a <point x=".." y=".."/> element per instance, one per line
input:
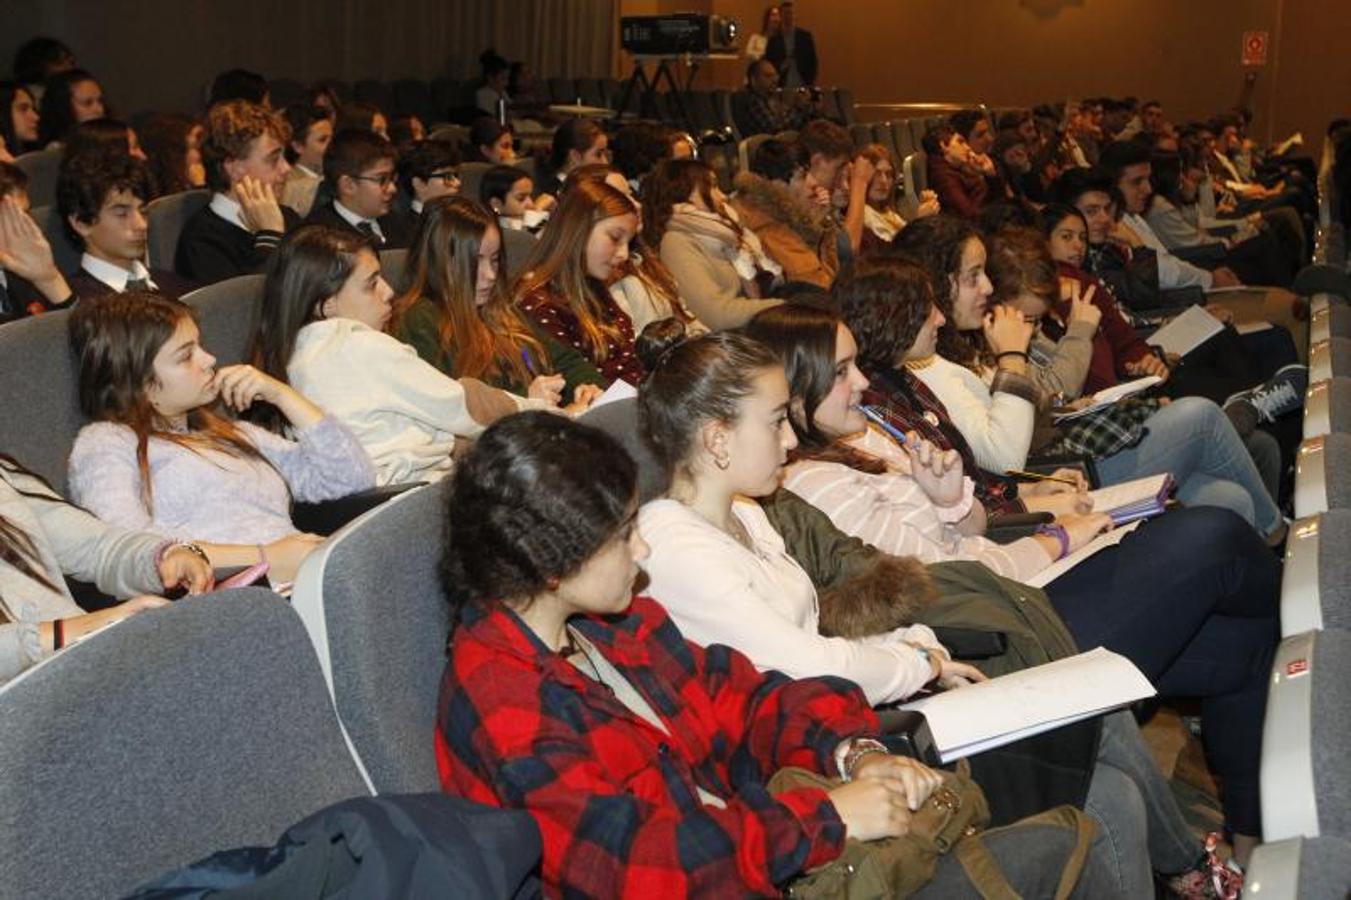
<point x="160" y="455"/>
<point x="564" y="287"/>
<point x="459" y="317"/>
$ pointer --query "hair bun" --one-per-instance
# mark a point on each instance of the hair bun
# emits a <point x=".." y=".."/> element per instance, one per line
<point x="658" y="339"/>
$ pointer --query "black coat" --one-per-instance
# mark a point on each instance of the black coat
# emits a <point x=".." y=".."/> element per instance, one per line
<point x="804" y="55"/>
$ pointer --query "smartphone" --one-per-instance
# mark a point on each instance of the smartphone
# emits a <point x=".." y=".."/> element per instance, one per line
<point x="242" y="576"/>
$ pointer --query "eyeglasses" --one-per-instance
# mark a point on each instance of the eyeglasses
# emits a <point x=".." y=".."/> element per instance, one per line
<point x="447" y="176"/>
<point x="384" y="179"/>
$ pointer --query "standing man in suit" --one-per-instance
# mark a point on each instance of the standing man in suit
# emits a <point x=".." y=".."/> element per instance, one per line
<point x="360" y="181"/>
<point x="237" y="231"/>
<point x="102" y="204"/>
<point x="30" y="282"/>
<point x="793" y="52"/>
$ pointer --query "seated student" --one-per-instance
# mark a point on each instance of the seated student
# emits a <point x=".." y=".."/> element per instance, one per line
<point x="714" y="412"/>
<point x="722" y="272"/>
<point x="325" y="308"/>
<point x="157" y="454"/>
<point x="102" y="136"/>
<point x="1197" y="567"/>
<point x="358" y="116"/>
<point x="18" y="119"/>
<point x="38" y="59"/>
<point x="602" y="712"/>
<point x="237" y="232"/>
<point x="577" y="142"/>
<point x="68" y="98"/>
<point x="778" y="199"/>
<point x="978" y="377"/>
<point x="102" y="203"/>
<point x="360" y="181"/>
<point x="639" y="147"/>
<point x="173" y="149"/>
<point x="491" y="141"/>
<point x="882" y="220"/>
<point x="1128" y="165"/>
<point x="311" y="130"/>
<point x="766" y="109"/>
<point x="30" y="282"/>
<point x="641" y="286"/>
<point x="1013" y="163"/>
<point x="239" y="84"/>
<point x="406" y="129"/>
<point x="974" y="127"/>
<point x="493" y="90"/>
<point x="458" y="314"/>
<point x="509" y="193"/>
<point x="428" y="169"/>
<point x="565" y="288"/>
<point x="43" y="537"/>
<point x="1174" y="214"/>
<point x="961" y="189"/>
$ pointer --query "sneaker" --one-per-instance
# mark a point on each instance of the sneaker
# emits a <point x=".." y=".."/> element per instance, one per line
<point x="1282" y="393"/>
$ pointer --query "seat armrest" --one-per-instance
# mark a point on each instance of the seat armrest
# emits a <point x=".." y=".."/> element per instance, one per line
<point x="327" y="516"/>
<point x="1009" y="528"/>
<point x="906" y="733"/>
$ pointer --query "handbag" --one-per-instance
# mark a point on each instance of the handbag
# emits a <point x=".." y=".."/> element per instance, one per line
<point x="952" y="820"/>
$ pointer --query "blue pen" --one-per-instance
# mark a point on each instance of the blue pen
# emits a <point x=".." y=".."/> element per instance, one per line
<point x="525" y="357"/>
<point x="881" y="422"/>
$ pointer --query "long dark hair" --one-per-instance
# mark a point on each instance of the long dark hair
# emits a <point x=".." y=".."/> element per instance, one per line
<point x="672" y="182"/>
<point x="885" y="302"/>
<point x="443" y="262"/>
<point x="534" y="499"/>
<point x="804" y="338"/>
<point x="10" y="90"/>
<point x="936" y="243"/>
<point x="164" y="138"/>
<point x="311" y="265"/>
<point x="16" y="545"/>
<point x="116" y="340"/>
<point x="58" y="109"/>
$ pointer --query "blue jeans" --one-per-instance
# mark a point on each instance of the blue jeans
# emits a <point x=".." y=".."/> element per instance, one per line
<point x="1193" y="439"/>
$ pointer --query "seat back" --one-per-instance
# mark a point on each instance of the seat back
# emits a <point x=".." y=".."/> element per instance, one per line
<point x="1300" y="868"/>
<point x="177" y="733"/>
<point x="1330" y="738"/>
<point x="1289" y="796"/>
<point x="619" y="419"/>
<point x="42" y="168"/>
<point x="166" y="217"/>
<point x="371" y="600"/>
<point x="562" y="90"/>
<point x="228" y="313"/>
<point x="862" y="135"/>
<point x="471" y="178"/>
<point x="394" y="268"/>
<point x="746" y="149"/>
<point x="39" y="379"/>
<point x="914" y="171"/>
<point x="64" y="252"/>
<point x="519" y="246"/>
<point x="1315" y="580"/>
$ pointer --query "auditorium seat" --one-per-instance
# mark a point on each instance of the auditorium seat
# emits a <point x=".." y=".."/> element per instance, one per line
<point x="471" y="177"/>
<point x="284" y="92"/>
<point x="619" y="419"/>
<point x="882" y="134"/>
<point x="377" y="93"/>
<point x="844" y="103"/>
<point x="1323" y="475"/>
<point x="38" y="377"/>
<point x="915" y="175"/>
<point x="1330" y="357"/>
<point x="179" y="732"/>
<point x="394" y="268"/>
<point x="862" y="135"/>
<point x="64" y="252"/>
<point x="562" y="90"/>
<point x="1327" y="407"/>
<point x="1306" y="738"/>
<point x="228" y="313"/>
<point x="519" y="246"/>
<point x="166" y="217"/>
<point x="1300" y="869"/>
<point x="1321" y="278"/>
<point x="1316" y="578"/>
<point x="41" y="167"/>
<point x="703" y="113"/>
<point x="413" y="97"/>
<point x="371" y="600"/>
<point x="1331" y="320"/>
<point x="592" y="91"/>
<point x="903" y="141"/>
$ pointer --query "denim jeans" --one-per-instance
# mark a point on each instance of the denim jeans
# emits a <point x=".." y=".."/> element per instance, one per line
<point x="1191" y="599"/>
<point x="1140" y="827"/>
<point x="1193" y="439"/>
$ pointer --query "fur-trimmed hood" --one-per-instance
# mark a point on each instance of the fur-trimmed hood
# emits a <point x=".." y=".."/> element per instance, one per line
<point x="760" y="200"/>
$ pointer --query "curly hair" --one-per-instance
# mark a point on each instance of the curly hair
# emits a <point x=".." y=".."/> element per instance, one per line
<point x="231" y="128"/>
<point x="937" y="243"/>
<point x="87" y="180"/>
<point x="534" y="499"/>
<point x="1020" y="261"/>
<point x="885" y="303"/>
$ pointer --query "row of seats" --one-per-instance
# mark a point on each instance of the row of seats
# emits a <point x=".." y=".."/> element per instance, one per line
<point x="1306" y="799"/>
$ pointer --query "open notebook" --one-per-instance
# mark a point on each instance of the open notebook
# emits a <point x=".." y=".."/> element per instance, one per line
<point x="1108" y="396"/>
<point x="1143" y="498"/>
<point x="982" y="716"/>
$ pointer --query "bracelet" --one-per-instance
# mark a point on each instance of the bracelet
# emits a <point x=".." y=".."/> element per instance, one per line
<point x="164" y="548"/>
<point x="850" y="753"/>
<point x="58" y="634"/>
<point x="1061" y="536"/>
<point x="1021" y="353"/>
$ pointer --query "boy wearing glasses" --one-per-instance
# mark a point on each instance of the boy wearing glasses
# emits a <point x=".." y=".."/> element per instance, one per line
<point x="428" y="170"/>
<point x="235" y="234"/>
<point x="361" y="180"/>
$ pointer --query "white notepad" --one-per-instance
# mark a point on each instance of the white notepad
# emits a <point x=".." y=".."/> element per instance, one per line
<point x="1061" y="566"/>
<point x="982" y="716"/>
<point x="1186" y="332"/>
<point x="1108" y="396"/>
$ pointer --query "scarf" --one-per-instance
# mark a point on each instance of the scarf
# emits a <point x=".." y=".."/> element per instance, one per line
<point x="719" y="234"/>
<point x="886" y="224"/>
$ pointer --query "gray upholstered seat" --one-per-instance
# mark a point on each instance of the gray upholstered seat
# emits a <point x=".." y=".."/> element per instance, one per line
<point x="38" y="381"/>
<point x="619" y="419"/>
<point x="175" y="734"/>
<point x="1329" y="358"/>
<point x="1306" y="738"/>
<point x="166" y="217"/>
<point x="471" y="177"/>
<point x="371" y="600"/>
<point x="65" y="253"/>
<point x="42" y="168"/>
<point x="1316" y="582"/>
<point x="1323" y="474"/>
<point x="519" y="246"/>
<point x="1300" y="869"/>
<point x="394" y="268"/>
<point x="228" y="312"/>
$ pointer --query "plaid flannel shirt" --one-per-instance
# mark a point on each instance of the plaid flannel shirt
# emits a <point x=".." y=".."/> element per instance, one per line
<point x="615" y="797"/>
<point x="1105" y="431"/>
